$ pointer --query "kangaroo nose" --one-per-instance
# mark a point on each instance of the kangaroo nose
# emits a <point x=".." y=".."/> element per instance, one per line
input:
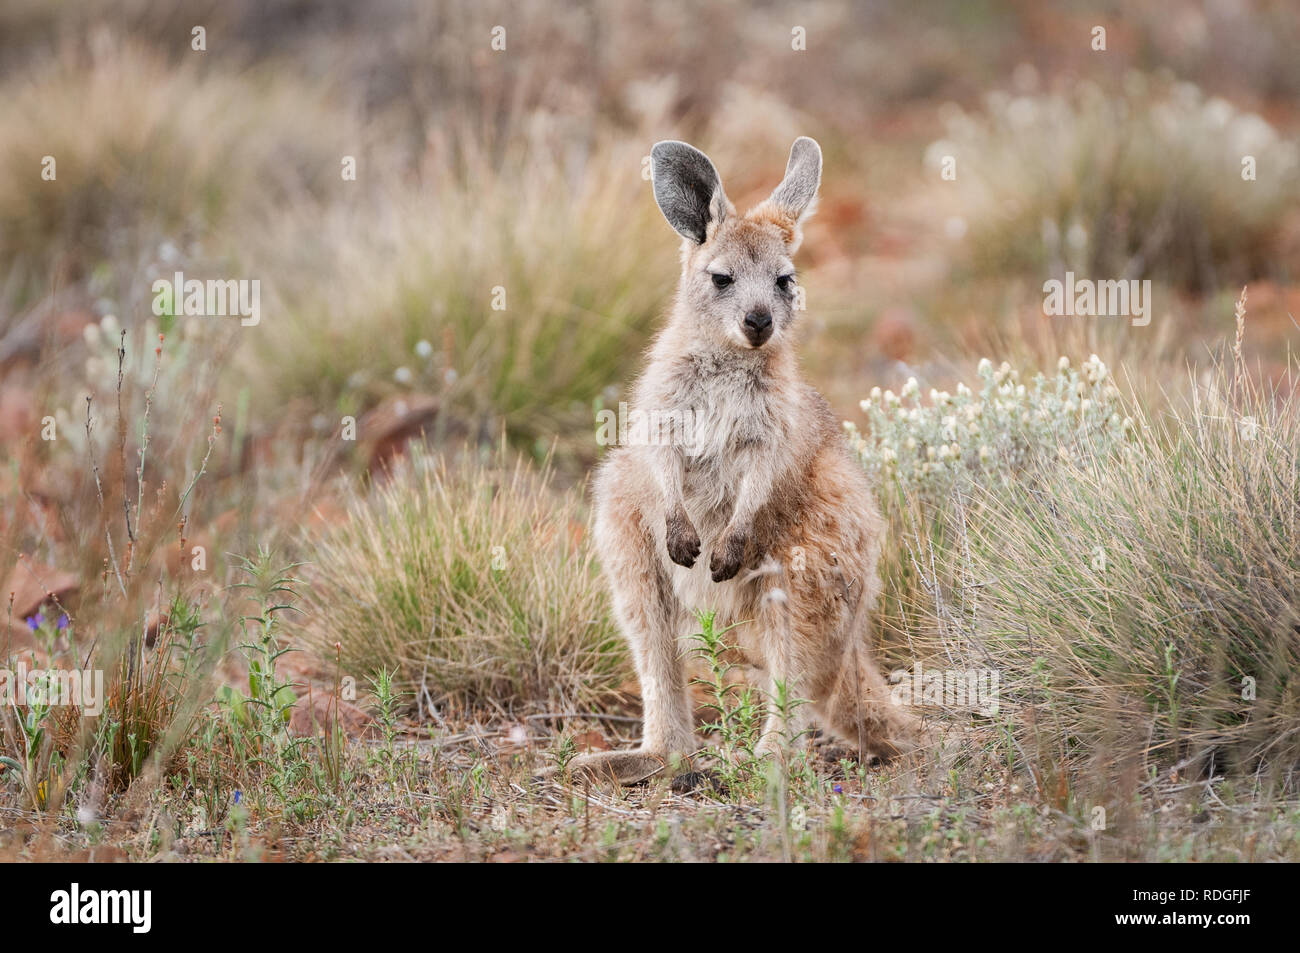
<point x="758" y="326"/>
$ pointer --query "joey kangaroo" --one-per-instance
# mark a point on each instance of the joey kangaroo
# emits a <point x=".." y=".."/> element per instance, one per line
<point x="762" y="515"/>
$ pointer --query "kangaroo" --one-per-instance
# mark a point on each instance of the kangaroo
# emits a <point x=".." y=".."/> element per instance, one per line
<point x="758" y="512"/>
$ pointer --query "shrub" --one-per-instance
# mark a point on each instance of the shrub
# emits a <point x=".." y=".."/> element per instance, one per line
<point x="928" y="457"/>
<point x="991" y="436"/>
<point x="1141" y="604"/>
<point x="134" y="628"/>
<point x="1153" y="598"/>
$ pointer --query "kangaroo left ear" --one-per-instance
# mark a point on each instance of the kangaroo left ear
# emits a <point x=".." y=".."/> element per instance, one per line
<point x="797" y="193"/>
<point x="688" y="189"/>
<point x="794" y="200"/>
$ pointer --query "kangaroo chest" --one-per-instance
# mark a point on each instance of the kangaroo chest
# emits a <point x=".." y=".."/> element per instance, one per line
<point x="736" y="421"/>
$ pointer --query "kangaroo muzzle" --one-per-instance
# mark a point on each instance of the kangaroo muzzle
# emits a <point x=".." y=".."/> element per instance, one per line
<point x="758" y="327"/>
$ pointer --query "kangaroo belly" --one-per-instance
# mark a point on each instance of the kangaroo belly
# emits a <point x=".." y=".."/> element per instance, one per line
<point x="730" y="601"/>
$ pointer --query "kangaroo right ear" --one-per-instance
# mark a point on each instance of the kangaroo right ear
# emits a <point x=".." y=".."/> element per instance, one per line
<point x="687" y="189"/>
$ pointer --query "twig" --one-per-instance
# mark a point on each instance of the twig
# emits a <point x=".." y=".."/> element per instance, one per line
<point x="99" y="489"/>
<point x="203" y="466"/>
<point x="144" y="447"/>
<point x="121" y="445"/>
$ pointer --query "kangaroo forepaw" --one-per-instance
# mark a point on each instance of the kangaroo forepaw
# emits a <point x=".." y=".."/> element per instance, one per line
<point x="727" y="557"/>
<point x="683" y="541"/>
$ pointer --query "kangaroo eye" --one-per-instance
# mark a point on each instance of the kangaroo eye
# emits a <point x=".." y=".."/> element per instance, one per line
<point x="721" y="281"/>
<point x="785" y="283"/>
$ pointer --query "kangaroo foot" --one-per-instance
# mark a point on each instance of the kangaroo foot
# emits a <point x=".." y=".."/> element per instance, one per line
<point x="621" y="767"/>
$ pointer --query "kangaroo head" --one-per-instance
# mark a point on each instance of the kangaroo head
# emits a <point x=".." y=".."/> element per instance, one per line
<point x="738" y="280"/>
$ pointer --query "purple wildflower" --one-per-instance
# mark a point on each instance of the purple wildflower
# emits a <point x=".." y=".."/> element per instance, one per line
<point x="238" y="795"/>
<point x="838" y="789"/>
<point x="63" y="620"/>
<point x="34" y="622"/>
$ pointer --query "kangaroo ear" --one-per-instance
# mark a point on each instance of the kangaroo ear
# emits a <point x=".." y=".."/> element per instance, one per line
<point x="796" y="196"/>
<point x="687" y="189"/>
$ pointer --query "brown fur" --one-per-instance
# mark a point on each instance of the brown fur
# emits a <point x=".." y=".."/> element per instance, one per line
<point x="769" y="214"/>
<point x="763" y="516"/>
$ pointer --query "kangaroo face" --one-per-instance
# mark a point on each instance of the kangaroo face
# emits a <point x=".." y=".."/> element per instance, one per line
<point x="738" y="278"/>
<point x="740" y="284"/>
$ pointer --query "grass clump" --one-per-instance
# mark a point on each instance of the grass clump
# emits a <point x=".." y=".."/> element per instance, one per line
<point x="1133" y="576"/>
<point x="1147" y="183"/>
<point x="1153" y="598"/>
<point x="111" y="152"/>
<point x="478" y="288"/>
<point x="472" y="586"/>
<point x="133" y="631"/>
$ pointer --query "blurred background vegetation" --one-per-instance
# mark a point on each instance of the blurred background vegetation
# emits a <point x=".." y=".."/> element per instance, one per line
<point x="522" y="169"/>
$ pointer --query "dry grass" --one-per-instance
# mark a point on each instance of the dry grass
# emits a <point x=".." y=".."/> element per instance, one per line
<point x="474" y="586"/>
<point x="1050" y="182"/>
<point x="525" y="280"/>
<point x="146" y="151"/>
<point x="1143" y="605"/>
